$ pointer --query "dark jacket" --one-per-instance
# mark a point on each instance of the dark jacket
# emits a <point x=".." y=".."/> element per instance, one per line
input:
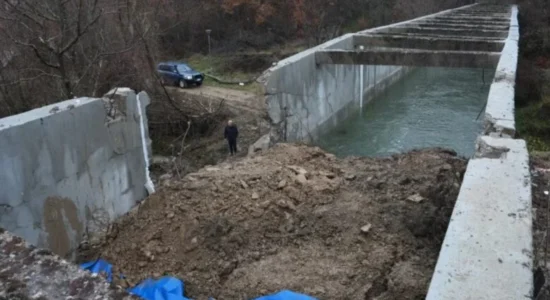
<point x="231" y="132"/>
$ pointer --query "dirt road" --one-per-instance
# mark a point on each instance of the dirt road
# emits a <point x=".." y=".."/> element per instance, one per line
<point x="234" y="98"/>
<point x="295" y="218"/>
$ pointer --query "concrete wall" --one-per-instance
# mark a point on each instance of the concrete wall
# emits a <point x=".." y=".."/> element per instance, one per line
<point x="305" y="99"/>
<point x="487" y="252"/>
<point x="315" y="98"/>
<point x="70" y="167"/>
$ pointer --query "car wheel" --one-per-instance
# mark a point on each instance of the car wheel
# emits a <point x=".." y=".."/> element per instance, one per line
<point x="199" y="84"/>
<point x="182" y="84"/>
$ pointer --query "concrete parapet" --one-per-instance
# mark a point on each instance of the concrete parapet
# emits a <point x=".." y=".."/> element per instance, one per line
<point x="71" y="168"/>
<point x="487" y="251"/>
<point x="499" y="114"/>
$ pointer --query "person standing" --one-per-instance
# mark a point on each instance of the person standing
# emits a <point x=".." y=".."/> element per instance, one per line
<point x="231" y="134"/>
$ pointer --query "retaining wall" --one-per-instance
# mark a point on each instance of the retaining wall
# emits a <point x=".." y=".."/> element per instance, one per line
<point x="72" y="167"/>
<point x="303" y="98"/>
<point x="487" y="252"/>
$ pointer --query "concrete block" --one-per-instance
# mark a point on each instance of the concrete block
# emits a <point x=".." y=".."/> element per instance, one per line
<point x="487" y="251"/>
<point x="71" y="166"/>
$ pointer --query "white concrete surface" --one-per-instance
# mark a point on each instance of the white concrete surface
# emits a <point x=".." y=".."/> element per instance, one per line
<point x="71" y="167"/>
<point x="500" y="112"/>
<point x="304" y="98"/>
<point x="487" y="251"/>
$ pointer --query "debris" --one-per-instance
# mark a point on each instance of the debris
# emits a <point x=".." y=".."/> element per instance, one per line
<point x="328" y="175"/>
<point x="366" y="228"/>
<point x="244" y="184"/>
<point x="291" y="219"/>
<point x="298" y="170"/>
<point x="350" y="177"/>
<point x="301" y="178"/>
<point x="416" y="198"/>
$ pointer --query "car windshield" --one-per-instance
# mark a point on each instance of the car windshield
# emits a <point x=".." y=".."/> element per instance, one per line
<point x="183" y="68"/>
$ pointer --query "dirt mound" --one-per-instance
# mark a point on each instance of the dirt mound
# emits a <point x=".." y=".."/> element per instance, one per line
<point x="296" y="218"/>
<point x="540" y="172"/>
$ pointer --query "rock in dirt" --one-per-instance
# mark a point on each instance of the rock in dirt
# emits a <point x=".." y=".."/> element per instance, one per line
<point x="230" y="243"/>
<point x="366" y="228"/>
<point x="416" y="198"/>
<point x="350" y="177"/>
<point x="298" y="170"/>
<point x="301" y="178"/>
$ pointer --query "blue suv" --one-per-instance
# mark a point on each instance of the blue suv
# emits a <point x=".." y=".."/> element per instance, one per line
<point x="179" y="74"/>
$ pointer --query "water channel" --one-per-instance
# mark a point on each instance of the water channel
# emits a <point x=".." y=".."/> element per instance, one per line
<point x="430" y="107"/>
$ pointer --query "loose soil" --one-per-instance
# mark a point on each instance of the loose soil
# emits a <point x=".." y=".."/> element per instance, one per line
<point x="246" y="109"/>
<point x="294" y="217"/>
<point x="540" y="171"/>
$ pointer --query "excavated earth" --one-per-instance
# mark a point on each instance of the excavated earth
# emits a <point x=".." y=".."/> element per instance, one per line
<point x="293" y="218"/>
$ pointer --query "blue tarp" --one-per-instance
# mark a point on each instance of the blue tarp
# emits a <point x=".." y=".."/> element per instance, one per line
<point x="170" y="288"/>
<point x="98" y="266"/>
<point x="166" y="288"/>
<point x="286" y="295"/>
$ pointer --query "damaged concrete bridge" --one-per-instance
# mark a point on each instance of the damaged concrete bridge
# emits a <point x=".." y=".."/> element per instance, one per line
<point x="61" y="186"/>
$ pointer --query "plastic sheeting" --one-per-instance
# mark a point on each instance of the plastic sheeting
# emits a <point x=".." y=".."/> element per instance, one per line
<point x="98" y="266"/>
<point x="166" y="288"/>
<point x="286" y="295"/>
<point x="170" y="288"/>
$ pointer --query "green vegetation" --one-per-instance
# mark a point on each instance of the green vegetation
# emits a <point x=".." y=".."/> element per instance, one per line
<point x="218" y="66"/>
<point x="532" y="97"/>
<point x="241" y="66"/>
<point x="533" y="122"/>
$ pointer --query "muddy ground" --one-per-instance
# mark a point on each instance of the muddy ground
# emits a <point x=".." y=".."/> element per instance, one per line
<point x="203" y="146"/>
<point x="294" y="218"/>
<point x="540" y="171"/>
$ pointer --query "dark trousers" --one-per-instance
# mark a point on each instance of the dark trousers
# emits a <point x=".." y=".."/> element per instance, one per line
<point x="232" y="146"/>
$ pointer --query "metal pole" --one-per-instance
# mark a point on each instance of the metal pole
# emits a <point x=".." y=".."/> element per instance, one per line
<point x="208" y="31"/>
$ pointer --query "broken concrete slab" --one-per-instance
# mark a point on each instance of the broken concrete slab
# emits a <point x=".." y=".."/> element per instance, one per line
<point x="409" y="57"/>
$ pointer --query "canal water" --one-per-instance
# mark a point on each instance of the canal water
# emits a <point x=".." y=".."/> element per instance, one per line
<point x="430" y="107"/>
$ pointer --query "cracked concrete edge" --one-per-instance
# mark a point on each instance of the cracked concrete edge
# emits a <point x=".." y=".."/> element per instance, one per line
<point x="500" y="163"/>
<point x="499" y="113"/>
<point x="490" y="231"/>
<point x="27" y="272"/>
<point x="486" y="148"/>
